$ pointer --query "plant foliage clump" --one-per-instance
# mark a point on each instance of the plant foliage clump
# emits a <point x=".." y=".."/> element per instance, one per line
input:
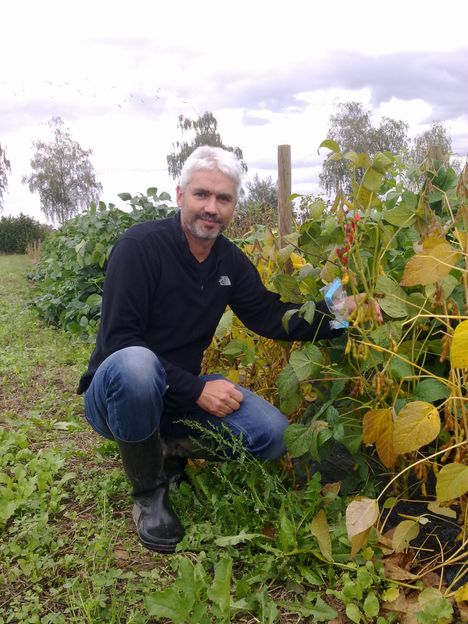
<point x="17" y="233"/>
<point x="70" y="273"/>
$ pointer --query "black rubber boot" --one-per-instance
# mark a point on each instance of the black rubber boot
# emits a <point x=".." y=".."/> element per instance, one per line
<point x="158" y="527"/>
<point x="174" y="468"/>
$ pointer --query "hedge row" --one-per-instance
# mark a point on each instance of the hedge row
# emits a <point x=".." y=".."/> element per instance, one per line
<point x="16" y="233"/>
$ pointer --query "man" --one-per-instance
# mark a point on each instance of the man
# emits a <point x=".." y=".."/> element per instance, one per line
<point x="167" y="285"/>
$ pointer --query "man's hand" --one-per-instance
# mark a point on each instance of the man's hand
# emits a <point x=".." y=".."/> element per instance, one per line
<point x="220" y="398"/>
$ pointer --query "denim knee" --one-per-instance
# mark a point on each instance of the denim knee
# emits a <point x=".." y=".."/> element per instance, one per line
<point x="267" y="442"/>
<point x="126" y="394"/>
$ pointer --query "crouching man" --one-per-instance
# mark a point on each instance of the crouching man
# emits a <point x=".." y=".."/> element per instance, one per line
<point x="167" y="285"/>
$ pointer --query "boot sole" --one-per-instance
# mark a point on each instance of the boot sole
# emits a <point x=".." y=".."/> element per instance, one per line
<point x="160" y="547"/>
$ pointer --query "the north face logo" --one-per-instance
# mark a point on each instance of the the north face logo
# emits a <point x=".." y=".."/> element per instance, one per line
<point x="224" y="280"/>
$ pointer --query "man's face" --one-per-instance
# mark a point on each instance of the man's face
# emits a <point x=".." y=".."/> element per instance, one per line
<point x="207" y="204"/>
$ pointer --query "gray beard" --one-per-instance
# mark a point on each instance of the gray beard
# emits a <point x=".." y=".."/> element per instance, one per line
<point x="198" y="231"/>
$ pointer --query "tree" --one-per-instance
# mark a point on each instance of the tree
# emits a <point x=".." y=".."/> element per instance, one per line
<point x="5" y="167"/>
<point x="436" y="137"/>
<point x="206" y="133"/>
<point x="262" y="192"/>
<point x="62" y="175"/>
<point x="258" y="207"/>
<point x="353" y="129"/>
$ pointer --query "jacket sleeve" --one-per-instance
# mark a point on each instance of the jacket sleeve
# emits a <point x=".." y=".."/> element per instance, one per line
<point x="131" y="279"/>
<point x="262" y="310"/>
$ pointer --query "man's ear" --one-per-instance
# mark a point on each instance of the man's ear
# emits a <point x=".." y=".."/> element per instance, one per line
<point x="179" y="196"/>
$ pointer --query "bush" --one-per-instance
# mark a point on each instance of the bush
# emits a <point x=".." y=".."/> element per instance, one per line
<point x="70" y="273"/>
<point x="17" y="233"/>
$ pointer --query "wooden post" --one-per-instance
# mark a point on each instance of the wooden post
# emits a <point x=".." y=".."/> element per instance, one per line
<point x="284" y="192"/>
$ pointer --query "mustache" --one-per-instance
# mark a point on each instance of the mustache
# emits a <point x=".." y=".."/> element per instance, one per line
<point x="206" y="217"/>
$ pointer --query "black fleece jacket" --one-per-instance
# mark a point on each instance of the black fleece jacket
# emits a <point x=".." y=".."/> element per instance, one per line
<point x="157" y="295"/>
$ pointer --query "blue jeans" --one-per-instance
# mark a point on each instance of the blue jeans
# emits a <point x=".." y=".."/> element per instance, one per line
<point x="125" y="401"/>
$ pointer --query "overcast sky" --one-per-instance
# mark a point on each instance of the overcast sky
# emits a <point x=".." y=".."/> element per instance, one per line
<point x="120" y="73"/>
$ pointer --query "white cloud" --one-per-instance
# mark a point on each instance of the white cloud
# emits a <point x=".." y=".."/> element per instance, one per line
<point x="119" y="75"/>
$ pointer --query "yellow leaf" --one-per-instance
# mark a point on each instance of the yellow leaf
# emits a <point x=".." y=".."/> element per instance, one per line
<point x="297" y="260"/>
<point x="448" y="512"/>
<point x="361" y="514"/>
<point x="321" y="532"/>
<point x="434" y="262"/>
<point x="452" y="482"/>
<point x="390" y="594"/>
<point x="377" y="427"/>
<point x="374" y="422"/>
<point x="358" y="541"/>
<point x="233" y="375"/>
<point x="404" y="533"/>
<point x="462" y="593"/>
<point x="459" y="346"/>
<point x="417" y="424"/>
<point x="463" y="238"/>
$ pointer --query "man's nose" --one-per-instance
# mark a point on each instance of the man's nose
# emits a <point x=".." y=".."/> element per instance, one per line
<point x="211" y="205"/>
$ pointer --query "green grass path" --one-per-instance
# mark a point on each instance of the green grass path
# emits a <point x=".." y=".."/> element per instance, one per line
<point x="67" y="549"/>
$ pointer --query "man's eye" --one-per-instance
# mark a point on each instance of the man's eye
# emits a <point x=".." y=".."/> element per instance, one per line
<point x="224" y="199"/>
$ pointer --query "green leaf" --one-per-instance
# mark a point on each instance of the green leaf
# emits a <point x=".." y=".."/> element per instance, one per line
<point x="287" y="288"/>
<point x="371" y="605"/>
<point x="152" y="191"/>
<point x="124" y="196"/>
<point x="306" y="362"/>
<point x="436" y="608"/>
<point x="372" y="180"/>
<point x="233" y="540"/>
<point x="431" y="390"/>
<point x="224" y="325"/>
<point x="286" y="317"/>
<point x="322" y="612"/>
<point x="399" y="369"/>
<point x="399" y="216"/>
<point x="220" y="591"/>
<point x="164" y="197"/>
<point x="94" y="300"/>
<point x="288" y="389"/>
<point x="307" y="311"/>
<point x="309" y="575"/>
<point x="298" y="439"/>
<point x="331" y="145"/>
<point x="382" y="162"/>
<point x="385" y="333"/>
<point x="353" y="613"/>
<point x="393" y="302"/>
<point x="181" y="601"/>
<point x="360" y="161"/>
<point x="337" y="388"/>
<point x="404" y="532"/>
<point x="287" y="531"/>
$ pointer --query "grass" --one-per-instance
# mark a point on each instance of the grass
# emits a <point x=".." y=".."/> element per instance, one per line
<point x="68" y="549"/>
